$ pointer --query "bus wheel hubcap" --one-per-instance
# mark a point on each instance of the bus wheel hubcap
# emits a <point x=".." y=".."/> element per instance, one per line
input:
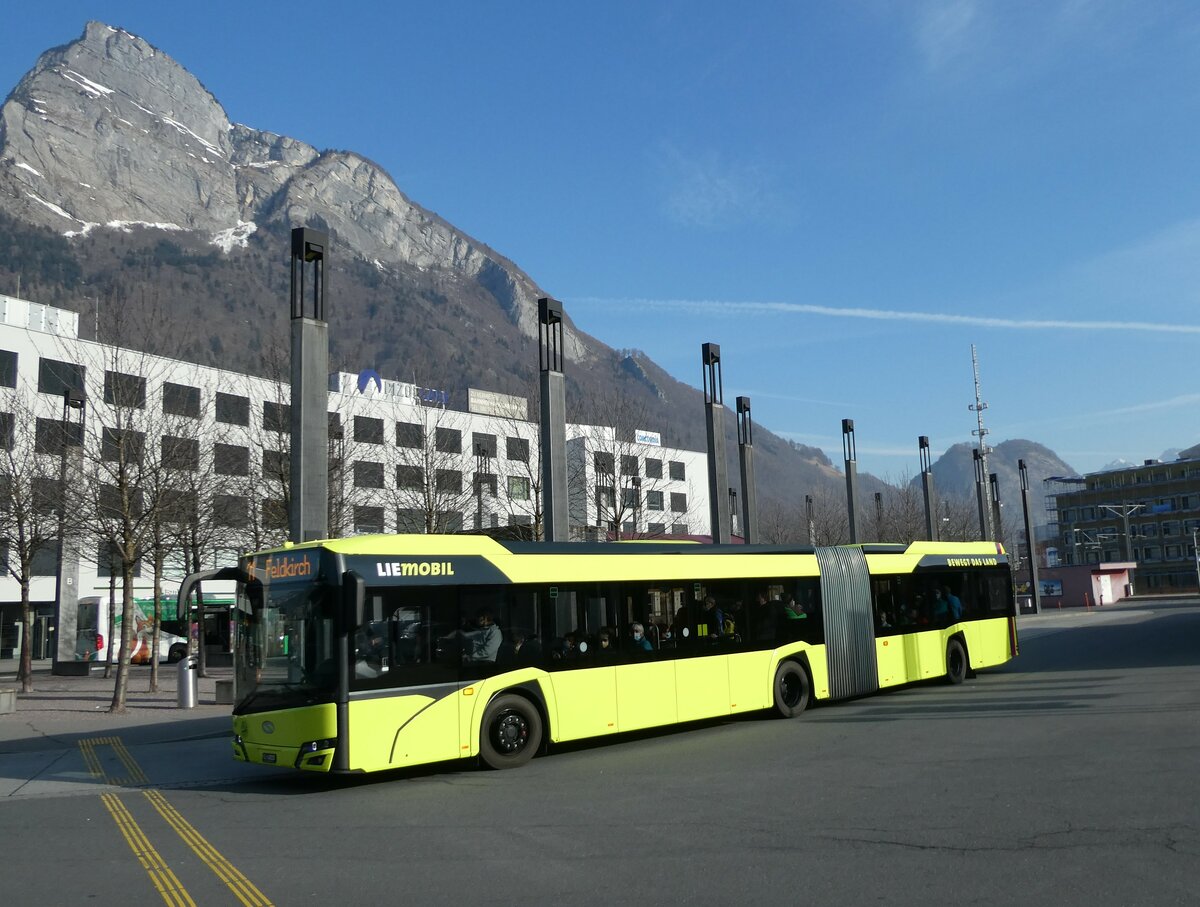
<point x="511" y="732"/>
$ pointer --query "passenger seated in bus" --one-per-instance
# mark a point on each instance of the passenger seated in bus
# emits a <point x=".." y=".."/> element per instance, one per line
<point x="918" y="614"/>
<point x="666" y="637"/>
<point x="653" y="633"/>
<point x="482" y="644"/>
<point x="939" y="608"/>
<point x="768" y="615"/>
<point x="604" y="642"/>
<point x="712" y="619"/>
<point x="568" y="647"/>
<point x="956" y="607"/>
<point x="530" y="651"/>
<point x="639" y="641"/>
<point x="735" y="616"/>
<point x="513" y="642"/>
<point x="792" y="609"/>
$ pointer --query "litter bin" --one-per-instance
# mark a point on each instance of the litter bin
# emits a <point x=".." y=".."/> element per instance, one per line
<point x="224" y="691"/>
<point x="185" y="683"/>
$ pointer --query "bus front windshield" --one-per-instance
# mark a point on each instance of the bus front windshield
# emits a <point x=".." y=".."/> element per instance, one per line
<point x="287" y="651"/>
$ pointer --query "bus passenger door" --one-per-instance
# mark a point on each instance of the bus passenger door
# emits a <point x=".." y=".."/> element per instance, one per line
<point x="701" y="672"/>
<point x="890" y="655"/>
<point x="584" y="682"/>
<point x="888" y="594"/>
<point x="404" y="686"/>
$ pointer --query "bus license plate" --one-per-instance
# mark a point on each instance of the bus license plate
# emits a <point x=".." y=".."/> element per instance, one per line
<point x="268" y="757"/>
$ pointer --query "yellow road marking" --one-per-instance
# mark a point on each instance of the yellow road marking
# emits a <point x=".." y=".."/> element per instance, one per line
<point x="90" y="759"/>
<point x="87" y="747"/>
<point x="164" y="880"/>
<point x="242" y="887"/>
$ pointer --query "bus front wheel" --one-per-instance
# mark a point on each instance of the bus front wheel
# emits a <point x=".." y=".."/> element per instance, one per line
<point x="791" y="689"/>
<point x="511" y="733"/>
<point x="956" y="662"/>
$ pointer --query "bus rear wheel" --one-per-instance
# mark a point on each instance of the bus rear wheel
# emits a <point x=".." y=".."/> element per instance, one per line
<point x="956" y="662"/>
<point x="792" y="689"/>
<point x="511" y="732"/>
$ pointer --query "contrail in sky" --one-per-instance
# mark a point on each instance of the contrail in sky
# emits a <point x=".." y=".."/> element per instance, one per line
<point x="711" y="306"/>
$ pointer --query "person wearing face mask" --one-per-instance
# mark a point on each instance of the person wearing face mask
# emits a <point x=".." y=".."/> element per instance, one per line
<point x="640" y="642"/>
<point x="604" y="643"/>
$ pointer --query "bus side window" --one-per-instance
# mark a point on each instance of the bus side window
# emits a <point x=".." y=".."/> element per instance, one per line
<point x="997" y="589"/>
<point x="886" y="607"/>
<point x="485" y="628"/>
<point x="522" y="644"/>
<point x="558" y="620"/>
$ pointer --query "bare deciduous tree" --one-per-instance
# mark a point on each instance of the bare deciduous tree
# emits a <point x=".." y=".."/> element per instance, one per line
<point x="128" y="484"/>
<point x="426" y="488"/>
<point x="613" y="470"/>
<point x="38" y="459"/>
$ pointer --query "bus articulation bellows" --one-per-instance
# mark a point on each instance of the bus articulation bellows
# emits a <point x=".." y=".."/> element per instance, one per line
<point x="379" y="652"/>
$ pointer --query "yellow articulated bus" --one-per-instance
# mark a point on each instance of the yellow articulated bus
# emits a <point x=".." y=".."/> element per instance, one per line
<point x="377" y="652"/>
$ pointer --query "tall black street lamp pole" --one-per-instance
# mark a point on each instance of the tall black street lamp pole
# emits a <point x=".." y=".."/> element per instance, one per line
<point x="66" y="620"/>
<point x="931" y="527"/>
<point x="1034" y="585"/>
<point x="483" y="468"/>
<point x="850" y="455"/>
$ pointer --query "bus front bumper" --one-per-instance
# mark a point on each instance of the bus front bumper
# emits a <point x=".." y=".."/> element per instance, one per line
<point x="313" y="756"/>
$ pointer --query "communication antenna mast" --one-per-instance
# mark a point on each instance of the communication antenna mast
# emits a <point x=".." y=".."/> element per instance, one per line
<point x="978" y="407"/>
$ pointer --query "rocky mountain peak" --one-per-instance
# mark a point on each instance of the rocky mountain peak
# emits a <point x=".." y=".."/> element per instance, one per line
<point x="954" y="474"/>
<point x="108" y="132"/>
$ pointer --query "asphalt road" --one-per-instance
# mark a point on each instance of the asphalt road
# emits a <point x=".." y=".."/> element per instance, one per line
<point x="1070" y="776"/>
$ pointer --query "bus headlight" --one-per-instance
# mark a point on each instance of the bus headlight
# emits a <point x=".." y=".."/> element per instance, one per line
<point x="306" y="757"/>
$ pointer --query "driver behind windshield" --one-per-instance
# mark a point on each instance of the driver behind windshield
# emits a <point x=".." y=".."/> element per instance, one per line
<point x="483" y="643"/>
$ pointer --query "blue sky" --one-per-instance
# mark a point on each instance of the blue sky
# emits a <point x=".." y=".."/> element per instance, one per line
<point x="845" y="196"/>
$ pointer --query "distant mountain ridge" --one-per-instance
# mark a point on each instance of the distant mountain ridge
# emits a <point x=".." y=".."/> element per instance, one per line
<point x="108" y="130"/>
<point x="954" y="473"/>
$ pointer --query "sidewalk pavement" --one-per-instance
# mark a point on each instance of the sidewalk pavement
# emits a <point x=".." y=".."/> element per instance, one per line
<point x="61" y="710"/>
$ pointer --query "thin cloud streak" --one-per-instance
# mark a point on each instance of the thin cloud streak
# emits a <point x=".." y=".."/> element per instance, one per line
<point x="1106" y="415"/>
<point x="829" y="445"/>
<point x="757" y="394"/>
<point x="1171" y="403"/>
<point x="712" y="306"/>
